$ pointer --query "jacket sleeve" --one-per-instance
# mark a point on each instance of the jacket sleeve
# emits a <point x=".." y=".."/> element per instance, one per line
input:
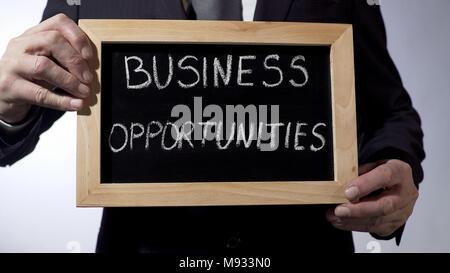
<point x="388" y="125"/>
<point x="21" y="144"/>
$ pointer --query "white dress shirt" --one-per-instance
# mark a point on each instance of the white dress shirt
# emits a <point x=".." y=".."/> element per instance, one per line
<point x="248" y="9"/>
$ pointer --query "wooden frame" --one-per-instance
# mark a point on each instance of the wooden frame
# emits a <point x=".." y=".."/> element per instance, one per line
<point x="90" y="192"/>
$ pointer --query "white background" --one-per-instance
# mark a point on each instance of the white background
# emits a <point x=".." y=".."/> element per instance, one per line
<point x="37" y="194"/>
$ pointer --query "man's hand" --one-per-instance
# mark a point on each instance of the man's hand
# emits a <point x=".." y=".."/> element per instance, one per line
<point x="55" y="53"/>
<point x="383" y="213"/>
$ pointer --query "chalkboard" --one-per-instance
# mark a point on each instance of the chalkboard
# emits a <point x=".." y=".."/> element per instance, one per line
<point x="218" y="119"/>
<point x="304" y="149"/>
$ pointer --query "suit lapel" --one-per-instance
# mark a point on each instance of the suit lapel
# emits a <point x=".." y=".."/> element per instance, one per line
<point x="172" y="9"/>
<point x="131" y="9"/>
<point x="272" y="10"/>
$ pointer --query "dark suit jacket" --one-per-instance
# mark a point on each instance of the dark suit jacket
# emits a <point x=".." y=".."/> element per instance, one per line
<point x="388" y="127"/>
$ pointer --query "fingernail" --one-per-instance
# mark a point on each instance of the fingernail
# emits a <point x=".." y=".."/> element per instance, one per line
<point x="352" y="193"/>
<point x="76" y="104"/>
<point x="87" y="76"/>
<point x="85" y="53"/>
<point x="83" y="89"/>
<point x="342" y="212"/>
